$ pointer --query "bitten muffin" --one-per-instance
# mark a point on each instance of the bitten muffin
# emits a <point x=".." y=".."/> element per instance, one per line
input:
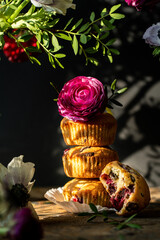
<point x="128" y="190"/>
<point x="100" y="131"/>
<point x="87" y="162"/>
<point x="86" y="191"/>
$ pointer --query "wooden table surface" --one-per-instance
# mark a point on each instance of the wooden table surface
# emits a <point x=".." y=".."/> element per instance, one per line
<point x="60" y="225"/>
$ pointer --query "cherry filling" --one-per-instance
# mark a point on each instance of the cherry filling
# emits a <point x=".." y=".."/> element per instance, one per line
<point x="118" y="200"/>
<point x="111" y="185"/>
<point x="77" y="199"/>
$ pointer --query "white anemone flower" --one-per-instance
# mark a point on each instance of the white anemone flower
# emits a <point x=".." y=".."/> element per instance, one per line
<point x="17" y="172"/>
<point x="152" y="35"/>
<point x="56" y="6"/>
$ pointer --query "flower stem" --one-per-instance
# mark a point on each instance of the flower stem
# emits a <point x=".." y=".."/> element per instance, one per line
<point x="18" y="10"/>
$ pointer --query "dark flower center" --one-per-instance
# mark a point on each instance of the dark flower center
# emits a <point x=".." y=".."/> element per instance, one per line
<point x="19" y="195"/>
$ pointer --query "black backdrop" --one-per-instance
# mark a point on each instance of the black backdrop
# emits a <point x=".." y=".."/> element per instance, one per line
<point x="29" y="122"/>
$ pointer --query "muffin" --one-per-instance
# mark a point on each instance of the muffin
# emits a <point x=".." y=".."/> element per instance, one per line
<point x="128" y="190"/>
<point x="86" y="191"/>
<point x="99" y="131"/>
<point x="87" y="162"/>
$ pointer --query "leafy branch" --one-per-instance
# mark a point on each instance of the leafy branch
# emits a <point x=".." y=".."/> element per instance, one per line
<point x="115" y="92"/>
<point x="104" y="214"/>
<point x="43" y="26"/>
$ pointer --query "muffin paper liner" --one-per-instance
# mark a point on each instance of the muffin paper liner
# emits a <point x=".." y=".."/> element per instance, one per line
<point x="55" y="195"/>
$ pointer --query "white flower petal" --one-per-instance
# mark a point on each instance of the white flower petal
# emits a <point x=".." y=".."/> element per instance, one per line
<point x="3" y="172"/>
<point x="57" y="6"/>
<point x="30" y="185"/>
<point x="20" y="172"/>
<point x="36" y="3"/>
<point x="151" y="35"/>
<point x="16" y="162"/>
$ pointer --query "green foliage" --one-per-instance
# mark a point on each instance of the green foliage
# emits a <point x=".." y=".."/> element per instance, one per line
<point x="104" y="214"/>
<point x="156" y="51"/>
<point x="43" y="25"/>
<point x="115" y="92"/>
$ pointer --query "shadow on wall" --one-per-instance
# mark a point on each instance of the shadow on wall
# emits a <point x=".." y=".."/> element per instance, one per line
<point x="29" y="122"/>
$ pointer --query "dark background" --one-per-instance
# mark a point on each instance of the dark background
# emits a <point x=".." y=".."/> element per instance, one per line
<point x="29" y="122"/>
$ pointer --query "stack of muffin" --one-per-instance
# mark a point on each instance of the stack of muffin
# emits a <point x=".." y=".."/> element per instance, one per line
<point x="85" y="161"/>
<point x="98" y="176"/>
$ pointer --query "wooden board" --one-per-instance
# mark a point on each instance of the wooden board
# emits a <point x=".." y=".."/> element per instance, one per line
<point x="60" y="225"/>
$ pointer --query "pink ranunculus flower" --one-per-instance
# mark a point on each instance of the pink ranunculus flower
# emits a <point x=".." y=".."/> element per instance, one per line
<point x="136" y="3"/>
<point x="142" y="4"/>
<point x="82" y="98"/>
<point x="25" y="226"/>
<point x="152" y="35"/>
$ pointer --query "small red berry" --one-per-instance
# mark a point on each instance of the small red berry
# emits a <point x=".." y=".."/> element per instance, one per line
<point x="16" y="53"/>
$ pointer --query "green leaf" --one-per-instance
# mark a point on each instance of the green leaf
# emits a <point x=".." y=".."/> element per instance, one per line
<point x="53" y="23"/>
<point x="25" y="37"/>
<point x="114" y="8"/>
<point x="83" y="28"/>
<point x="4" y="25"/>
<point x="51" y="60"/>
<point x="96" y="28"/>
<point x="93" y="61"/>
<point x="132" y="225"/>
<point x="33" y="59"/>
<point x="87" y="32"/>
<point x="122" y="90"/>
<point x="115" y="51"/>
<point x="103" y="50"/>
<point x="12" y="6"/>
<point x="68" y="23"/>
<point x="97" y="46"/>
<point x="104" y="12"/>
<point x="39" y="36"/>
<point x="92" y="16"/>
<point x="55" y="43"/>
<point x="77" y="24"/>
<point x="109" y="55"/>
<point x="117" y="15"/>
<point x="116" y="102"/>
<point x="45" y="39"/>
<point x="110" y="42"/>
<point x="113" y="85"/>
<point x="109" y="106"/>
<point x="91" y="50"/>
<point x="83" y="39"/>
<point x="75" y="45"/>
<point x="91" y="218"/>
<point x="104" y="36"/>
<point x="124" y="224"/>
<point x="58" y="62"/>
<point x="16" y="32"/>
<point x="156" y="51"/>
<point x="32" y="49"/>
<point x="30" y="11"/>
<point x="60" y="55"/>
<point x="2" y="42"/>
<point x="108" y="24"/>
<point x="93" y="207"/>
<point x="63" y="36"/>
<point x="4" y="231"/>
